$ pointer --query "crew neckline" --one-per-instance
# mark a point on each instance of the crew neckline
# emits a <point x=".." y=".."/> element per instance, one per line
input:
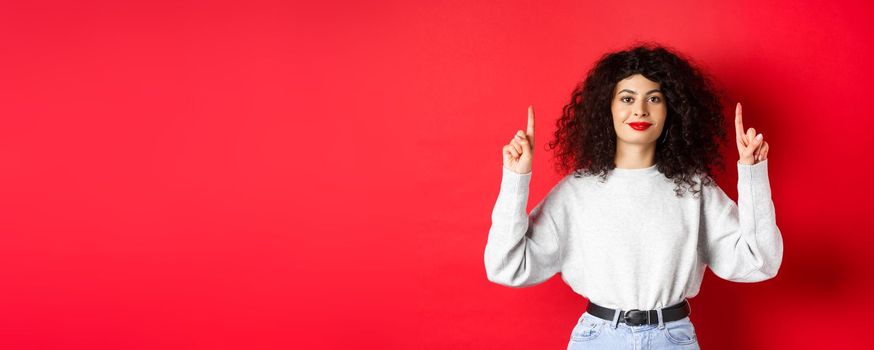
<point x="637" y="172"/>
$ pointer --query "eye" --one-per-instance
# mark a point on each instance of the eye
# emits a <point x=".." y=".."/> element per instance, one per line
<point x="655" y="99"/>
<point x="626" y="99"/>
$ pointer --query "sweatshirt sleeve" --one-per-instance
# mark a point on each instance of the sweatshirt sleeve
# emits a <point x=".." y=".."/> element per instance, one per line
<point x="522" y="249"/>
<point x="742" y="240"/>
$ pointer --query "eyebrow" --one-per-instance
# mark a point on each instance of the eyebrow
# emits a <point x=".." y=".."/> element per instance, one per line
<point x="634" y="93"/>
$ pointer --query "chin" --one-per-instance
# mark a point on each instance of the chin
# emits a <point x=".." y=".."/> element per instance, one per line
<point x="641" y="142"/>
<point x="638" y="140"/>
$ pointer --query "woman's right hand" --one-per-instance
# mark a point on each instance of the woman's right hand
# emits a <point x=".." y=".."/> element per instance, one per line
<point x="518" y="153"/>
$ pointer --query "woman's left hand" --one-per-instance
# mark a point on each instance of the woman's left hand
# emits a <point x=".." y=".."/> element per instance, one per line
<point x="751" y="147"/>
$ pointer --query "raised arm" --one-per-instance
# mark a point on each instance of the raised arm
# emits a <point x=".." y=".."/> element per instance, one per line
<point x="522" y="249"/>
<point x="742" y="242"/>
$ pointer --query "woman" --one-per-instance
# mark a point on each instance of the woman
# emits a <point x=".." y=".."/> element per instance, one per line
<point x="634" y="226"/>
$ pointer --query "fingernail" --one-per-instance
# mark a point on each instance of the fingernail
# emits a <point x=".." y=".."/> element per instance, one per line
<point x="759" y="137"/>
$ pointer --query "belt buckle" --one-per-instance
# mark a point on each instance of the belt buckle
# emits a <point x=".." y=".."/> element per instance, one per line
<point x="635" y="317"/>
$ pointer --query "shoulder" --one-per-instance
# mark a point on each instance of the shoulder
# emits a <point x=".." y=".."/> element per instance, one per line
<point x="712" y="194"/>
<point x="567" y="189"/>
<point x="575" y="181"/>
<point x="563" y="186"/>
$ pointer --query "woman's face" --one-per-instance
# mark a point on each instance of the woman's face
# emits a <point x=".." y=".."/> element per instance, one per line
<point x="639" y="110"/>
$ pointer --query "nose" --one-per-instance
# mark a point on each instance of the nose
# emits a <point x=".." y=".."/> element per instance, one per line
<point x="640" y="110"/>
<point x="640" y="113"/>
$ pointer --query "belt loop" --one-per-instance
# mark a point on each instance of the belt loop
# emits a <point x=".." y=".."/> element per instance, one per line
<point x="615" y="322"/>
<point x="661" y="318"/>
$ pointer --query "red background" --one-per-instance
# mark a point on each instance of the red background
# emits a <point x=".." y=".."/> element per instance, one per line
<point x="266" y="174"/>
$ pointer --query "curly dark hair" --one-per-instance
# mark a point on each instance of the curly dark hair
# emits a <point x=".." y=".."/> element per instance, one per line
<point x="585" y="138"/>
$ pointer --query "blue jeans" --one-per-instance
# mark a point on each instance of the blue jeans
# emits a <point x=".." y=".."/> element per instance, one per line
<point x="595" y="333"/>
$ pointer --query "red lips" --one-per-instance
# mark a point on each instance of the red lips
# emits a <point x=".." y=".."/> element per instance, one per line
<point x="640" y="125"/>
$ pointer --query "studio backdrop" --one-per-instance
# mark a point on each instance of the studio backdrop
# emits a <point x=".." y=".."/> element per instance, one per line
<point x="321" y="174"/>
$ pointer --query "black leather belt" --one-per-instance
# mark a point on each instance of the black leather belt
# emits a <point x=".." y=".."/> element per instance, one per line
<point x="641" y="317"/>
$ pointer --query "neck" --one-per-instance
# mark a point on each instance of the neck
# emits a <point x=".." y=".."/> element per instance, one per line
<point x="634" y="156"/>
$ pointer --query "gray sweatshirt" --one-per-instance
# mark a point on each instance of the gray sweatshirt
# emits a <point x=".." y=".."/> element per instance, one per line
<point x="629" y="242"/>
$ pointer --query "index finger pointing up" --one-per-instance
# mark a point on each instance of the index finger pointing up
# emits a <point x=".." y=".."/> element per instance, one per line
<point x="739" y="125"/>
<point x="530" y="131"/>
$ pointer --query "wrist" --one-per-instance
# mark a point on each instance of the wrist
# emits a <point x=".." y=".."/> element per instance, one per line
<point x="747" y="161"/>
